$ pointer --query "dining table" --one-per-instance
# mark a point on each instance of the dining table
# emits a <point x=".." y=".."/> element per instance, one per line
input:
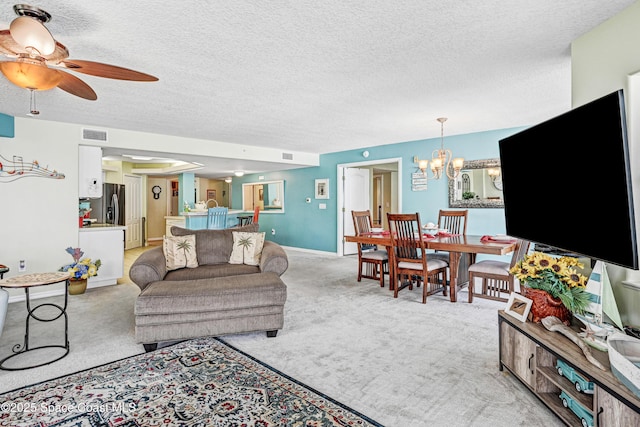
<point x="462" y="249"/>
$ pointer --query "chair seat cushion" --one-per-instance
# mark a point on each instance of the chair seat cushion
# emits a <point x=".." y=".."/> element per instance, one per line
<point x="431" y="264"/>
<point x="376" y="255"/>
<point x="490" y="267"/>
<point x="443" y="256"/>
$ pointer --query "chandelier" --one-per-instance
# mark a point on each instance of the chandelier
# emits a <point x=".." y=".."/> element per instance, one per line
<point x="442" y="161"/>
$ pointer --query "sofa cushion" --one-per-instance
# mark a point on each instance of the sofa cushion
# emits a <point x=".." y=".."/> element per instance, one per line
<point x="210" y="271"/>
<point x="213" y="246"/>
<point x="180" y="251"/>
<point x="247" y="248"/>
<point x="208" y="295"/>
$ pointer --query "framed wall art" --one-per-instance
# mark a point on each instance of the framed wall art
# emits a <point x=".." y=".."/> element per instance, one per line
<point x="322" y="188"/>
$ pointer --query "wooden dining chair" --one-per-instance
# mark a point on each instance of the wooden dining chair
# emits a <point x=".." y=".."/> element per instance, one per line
<point x="495" y="280"/>
<point x="217" y="218"/>
<point x="373" y="263"/>
<point x="455" y="221"/>
<point x="410" y="257"/>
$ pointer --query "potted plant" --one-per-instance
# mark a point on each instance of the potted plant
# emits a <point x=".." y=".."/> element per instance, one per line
<point x="468" y="195"/>
<point x="80" y="270"/>
<point x="554" y="285"/>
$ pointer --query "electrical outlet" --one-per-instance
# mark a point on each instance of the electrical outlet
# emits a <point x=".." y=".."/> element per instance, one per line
<point x="22" y="266"/>
<point x="273" y="231"/>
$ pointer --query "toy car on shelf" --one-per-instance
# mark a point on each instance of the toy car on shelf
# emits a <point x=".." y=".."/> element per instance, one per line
<point x="581" y="383"/>
<point x="585" y="416"/>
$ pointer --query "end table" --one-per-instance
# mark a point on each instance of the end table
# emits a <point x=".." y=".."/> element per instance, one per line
<point x="28" y="281"/>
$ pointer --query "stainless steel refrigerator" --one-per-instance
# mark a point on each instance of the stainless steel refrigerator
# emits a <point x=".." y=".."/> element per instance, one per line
<point x="109" y="209"/>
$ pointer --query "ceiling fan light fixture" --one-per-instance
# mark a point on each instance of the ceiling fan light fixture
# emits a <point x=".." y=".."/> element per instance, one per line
<point x="228" y="180"/>
<point x="30" y="75"/>
<point x="30" y="32"/>
<point x="239" y="173"/>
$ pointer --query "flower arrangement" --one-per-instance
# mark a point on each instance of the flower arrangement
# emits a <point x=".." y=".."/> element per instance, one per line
<point x="557" y="276"/>
<point x="81" y="268"/>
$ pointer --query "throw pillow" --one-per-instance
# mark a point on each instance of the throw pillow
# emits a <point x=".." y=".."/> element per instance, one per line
<point x="247" y="248"/>
<point x="180" y="251"/>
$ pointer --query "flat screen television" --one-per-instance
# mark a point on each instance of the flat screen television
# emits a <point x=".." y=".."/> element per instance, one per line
<point x="567" y="183"/>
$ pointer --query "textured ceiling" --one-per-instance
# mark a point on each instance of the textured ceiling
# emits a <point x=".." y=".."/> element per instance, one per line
<point x="316" y="76"/>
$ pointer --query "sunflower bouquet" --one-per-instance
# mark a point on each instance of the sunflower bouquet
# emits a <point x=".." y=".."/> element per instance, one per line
<point x="557" y="276"/>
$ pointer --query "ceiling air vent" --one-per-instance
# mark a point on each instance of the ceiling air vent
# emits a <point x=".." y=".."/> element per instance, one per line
<point x="287" y="156"/>
<point x="94" y="135"/>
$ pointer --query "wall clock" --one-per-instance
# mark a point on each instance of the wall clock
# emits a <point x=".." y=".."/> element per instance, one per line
<point x="497" y="183"/>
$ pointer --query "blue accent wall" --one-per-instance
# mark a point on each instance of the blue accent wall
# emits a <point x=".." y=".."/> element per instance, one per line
<point x="7" y="126"/>
<point x="304" y="225"/>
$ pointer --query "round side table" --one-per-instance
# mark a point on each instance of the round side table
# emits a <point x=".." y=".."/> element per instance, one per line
<point x="26" y="282"/>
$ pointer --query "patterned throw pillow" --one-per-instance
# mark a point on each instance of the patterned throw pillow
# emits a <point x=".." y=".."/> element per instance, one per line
<point x="180" y="251"/>
<point x="247" y="248"/>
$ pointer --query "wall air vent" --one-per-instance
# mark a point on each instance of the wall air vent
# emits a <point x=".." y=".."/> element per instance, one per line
<point x="94" y="135"/>
<point x="287" y="156"/>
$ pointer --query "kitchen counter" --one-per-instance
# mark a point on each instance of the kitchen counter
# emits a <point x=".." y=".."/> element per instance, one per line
<point x="197" y="219"/>
<point x="205" y="212"/>
<point x="106" y="243"/>
<point x="102" y="227"/>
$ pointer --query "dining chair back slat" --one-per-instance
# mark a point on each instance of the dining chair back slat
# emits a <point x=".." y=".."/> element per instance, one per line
<point x="455" y="221"/>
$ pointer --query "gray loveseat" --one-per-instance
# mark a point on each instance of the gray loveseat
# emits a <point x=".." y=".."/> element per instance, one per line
<point x="215" y="298"/>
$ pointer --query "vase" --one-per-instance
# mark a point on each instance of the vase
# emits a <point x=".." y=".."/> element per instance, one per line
<point x="77" y="287"/>
<point x="544" y="305"/>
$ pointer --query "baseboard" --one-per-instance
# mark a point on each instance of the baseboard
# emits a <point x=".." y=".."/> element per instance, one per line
<point x="310" y="251"/>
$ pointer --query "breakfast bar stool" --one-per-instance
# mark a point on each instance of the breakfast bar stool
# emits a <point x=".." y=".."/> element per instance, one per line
<point x="497" y="283"/>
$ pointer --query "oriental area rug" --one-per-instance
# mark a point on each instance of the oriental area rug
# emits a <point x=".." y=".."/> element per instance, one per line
<point x="201" y="382"/>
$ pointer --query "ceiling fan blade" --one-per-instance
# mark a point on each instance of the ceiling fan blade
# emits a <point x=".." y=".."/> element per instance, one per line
<point x="77" y="87"/>
<point x="105" y="70"/>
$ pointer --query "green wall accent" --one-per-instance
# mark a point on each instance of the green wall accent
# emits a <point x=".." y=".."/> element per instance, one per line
<point x="319" y="227"/>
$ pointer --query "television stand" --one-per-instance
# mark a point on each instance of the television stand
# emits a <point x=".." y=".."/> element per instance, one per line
<point x="530" y="352"/>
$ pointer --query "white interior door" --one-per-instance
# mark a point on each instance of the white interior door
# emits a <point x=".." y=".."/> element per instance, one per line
<point x="357" y="197"/>
<point x="133" y="211"/>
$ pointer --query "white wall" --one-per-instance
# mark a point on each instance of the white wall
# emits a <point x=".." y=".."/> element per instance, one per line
<point x="602" y="61"/>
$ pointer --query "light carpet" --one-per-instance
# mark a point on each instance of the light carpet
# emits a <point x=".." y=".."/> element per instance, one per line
<point x="398" y="361"/>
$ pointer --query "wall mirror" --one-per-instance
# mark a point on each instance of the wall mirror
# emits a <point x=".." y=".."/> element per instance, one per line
<point x="479" y="185"/>
<point x="269" y="195"/>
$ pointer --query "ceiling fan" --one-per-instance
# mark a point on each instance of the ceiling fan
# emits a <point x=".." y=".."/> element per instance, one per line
<point x="32" y="50"/>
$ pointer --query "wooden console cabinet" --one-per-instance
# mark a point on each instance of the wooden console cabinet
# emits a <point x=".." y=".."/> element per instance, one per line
<point x="529" y="352"/>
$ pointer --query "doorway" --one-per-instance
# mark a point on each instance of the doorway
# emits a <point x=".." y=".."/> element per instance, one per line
<point x="387" y="173"/>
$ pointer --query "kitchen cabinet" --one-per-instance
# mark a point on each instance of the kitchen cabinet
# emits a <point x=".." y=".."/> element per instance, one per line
<point x="529" y="351"/>
<point x="89" y="172"/>
<point x="107" y="244"/>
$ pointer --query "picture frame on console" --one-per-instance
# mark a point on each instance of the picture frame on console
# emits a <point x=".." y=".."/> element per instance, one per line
<point x="518" y="306"/>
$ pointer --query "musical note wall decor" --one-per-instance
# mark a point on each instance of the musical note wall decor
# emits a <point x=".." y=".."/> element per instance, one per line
<point x="11" y="170"/>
